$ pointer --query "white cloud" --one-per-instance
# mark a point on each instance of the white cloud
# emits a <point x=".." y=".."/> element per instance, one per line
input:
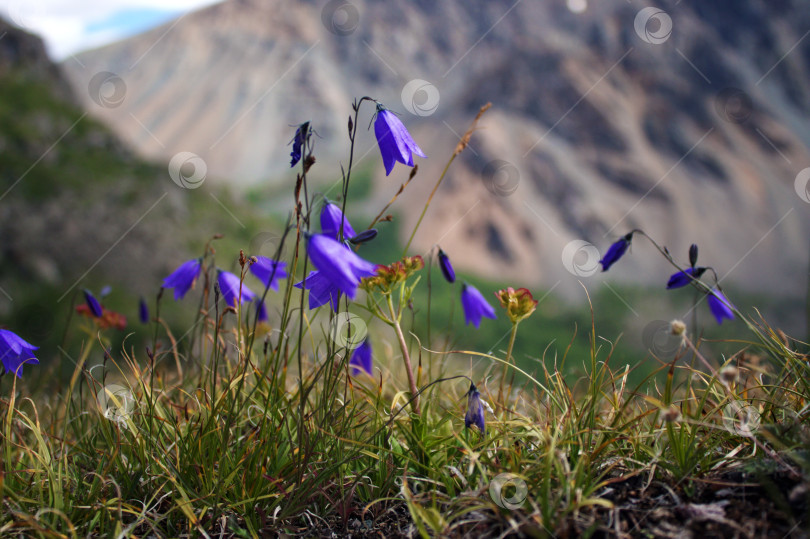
<point x="63" y="24"/>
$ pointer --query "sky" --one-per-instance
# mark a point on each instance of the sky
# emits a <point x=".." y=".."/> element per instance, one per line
<point x="70" y="26"/>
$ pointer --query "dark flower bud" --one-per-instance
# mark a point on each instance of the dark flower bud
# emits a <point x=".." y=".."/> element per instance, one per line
<point x="93" y="304"/>
<point x="364" y="236"/>
<point x="475" y="410"/>
<point x="351" y="125"/>
<point x="143" y="311"/>
<point x="693" y="252"/>
<point x="447" y="268"/>
<point x="298" y="143"/>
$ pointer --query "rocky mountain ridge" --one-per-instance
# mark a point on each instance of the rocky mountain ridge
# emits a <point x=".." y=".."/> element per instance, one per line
<point x="689" y="120"/>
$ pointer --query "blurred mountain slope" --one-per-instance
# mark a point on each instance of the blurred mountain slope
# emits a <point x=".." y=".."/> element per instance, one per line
<point x="600" y="124"/>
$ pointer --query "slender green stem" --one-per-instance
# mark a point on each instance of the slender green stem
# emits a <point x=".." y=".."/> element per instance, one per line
<point x="405" y="355"/>
<point x="508" y="357"/>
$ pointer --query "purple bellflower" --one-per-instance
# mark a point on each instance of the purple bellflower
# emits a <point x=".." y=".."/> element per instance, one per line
<point x="361" y="358"/>
<point x="475" y="410"/>
<point x="475" y="306"/>
<point x="15" y="352"/>
<point x="143" y="311"/>
<point x="616" y="251"/>
<point x="332" y="219"/>
<point x="233" y="290"/>
<point x="446" y="267"/>
<point x="394" y="140"/>
<point x="321" y="290"/>
<point x="231" y="287"/>
<point x="182" y="279"/>
<point x="93" y="304"/>
<point x="269" y="271"/>
<point x="719" y="305"/>
<point x="338" y="264"/>
<point x="682" y="278"/>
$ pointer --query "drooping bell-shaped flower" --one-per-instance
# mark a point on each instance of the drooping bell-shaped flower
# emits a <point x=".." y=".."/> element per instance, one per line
<point x="361" y="358"/>
<point x="321" y="290"/>
<point x="93" y="304"/>
<point x="719" y="305"/>
<point x="338" y="264"/>
<point x="182" y="279"/>
<point x="475" y="306"/>
<point x="233" y="289"/>
<point x="332" y="219"/>
<point x="475" y="410"/>
<point x="15" y="352"/>
<point x="616" y="251"/>
<point x="395" y="143"/>
<point x="683" y="278"/>
<point x="446" y="267"/>
<point x="269" y="271"/>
